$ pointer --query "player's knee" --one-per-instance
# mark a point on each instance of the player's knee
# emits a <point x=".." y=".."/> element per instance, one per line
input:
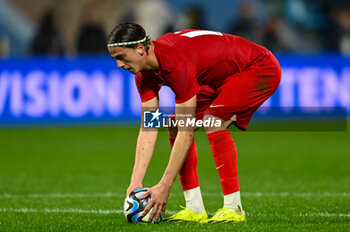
<point x="215" y="123"/>
<point x="208" y="126"/>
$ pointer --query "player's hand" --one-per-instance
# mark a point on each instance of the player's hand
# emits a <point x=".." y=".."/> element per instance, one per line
<point x="132" y="187"/>
<point x="159" y="197"/>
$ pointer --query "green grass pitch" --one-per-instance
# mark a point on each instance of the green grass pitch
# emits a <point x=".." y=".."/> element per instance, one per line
<point x="74" y="179"/>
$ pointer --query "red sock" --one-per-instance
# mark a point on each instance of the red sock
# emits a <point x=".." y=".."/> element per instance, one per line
<point x="188" y="173"/>
<point x="225" y="157"/>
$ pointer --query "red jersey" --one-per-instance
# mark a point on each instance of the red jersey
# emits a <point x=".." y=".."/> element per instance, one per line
<point x="189" y="59"/>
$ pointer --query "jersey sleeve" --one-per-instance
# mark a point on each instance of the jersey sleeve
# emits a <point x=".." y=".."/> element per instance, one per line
<point x="183" y="81"/>
<point x="146" y="88"/>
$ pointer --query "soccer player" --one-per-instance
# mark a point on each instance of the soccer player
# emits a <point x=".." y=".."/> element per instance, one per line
<point x="214" y="76"/>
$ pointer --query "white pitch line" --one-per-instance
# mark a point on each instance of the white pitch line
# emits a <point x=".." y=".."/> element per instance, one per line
<point x="324" y="214"/>
<point x="63" y="195"/>
<point x="46" y="210"/>
<point x="205" y="194"/>
<point x="290" y="194"/>
<point x="113" y="211"/>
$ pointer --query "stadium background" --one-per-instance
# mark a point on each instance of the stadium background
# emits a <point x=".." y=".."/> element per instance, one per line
<point x="69" y="117"/>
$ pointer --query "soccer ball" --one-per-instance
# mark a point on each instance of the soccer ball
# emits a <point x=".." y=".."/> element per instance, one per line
<point x="133" y="207"/>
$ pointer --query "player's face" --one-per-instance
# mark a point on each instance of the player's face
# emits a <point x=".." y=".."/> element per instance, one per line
<point x="128" y="58"/>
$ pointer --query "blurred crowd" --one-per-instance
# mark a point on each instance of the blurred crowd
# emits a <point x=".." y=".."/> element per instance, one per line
<point x="302" y="26"/>
<point x="299" y="26"/>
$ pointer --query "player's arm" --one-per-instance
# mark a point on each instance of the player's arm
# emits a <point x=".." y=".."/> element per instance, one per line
<point x="144" y="148"/>
<point x="160" y="192"/>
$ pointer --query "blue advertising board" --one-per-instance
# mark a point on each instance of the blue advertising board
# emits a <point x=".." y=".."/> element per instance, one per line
<point x="93" y="89"/>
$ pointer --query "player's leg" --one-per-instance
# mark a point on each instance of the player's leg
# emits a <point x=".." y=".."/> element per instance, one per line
<point x="194" y="210"/>
<point x="239" y="98"/>
<point x="225" y="157"/>
<point x="188" y="175"/>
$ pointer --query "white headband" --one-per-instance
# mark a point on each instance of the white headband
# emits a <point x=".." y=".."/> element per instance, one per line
<point x="127" y="43"/>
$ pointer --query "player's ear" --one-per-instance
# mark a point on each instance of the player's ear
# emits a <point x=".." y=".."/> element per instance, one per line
<point x="140" y="49"/>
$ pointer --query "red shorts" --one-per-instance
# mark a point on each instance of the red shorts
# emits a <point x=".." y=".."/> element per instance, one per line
<point x="242" y="93"/>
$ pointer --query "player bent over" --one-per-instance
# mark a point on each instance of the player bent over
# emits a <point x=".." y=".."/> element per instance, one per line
<point x="214" y="76"/>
